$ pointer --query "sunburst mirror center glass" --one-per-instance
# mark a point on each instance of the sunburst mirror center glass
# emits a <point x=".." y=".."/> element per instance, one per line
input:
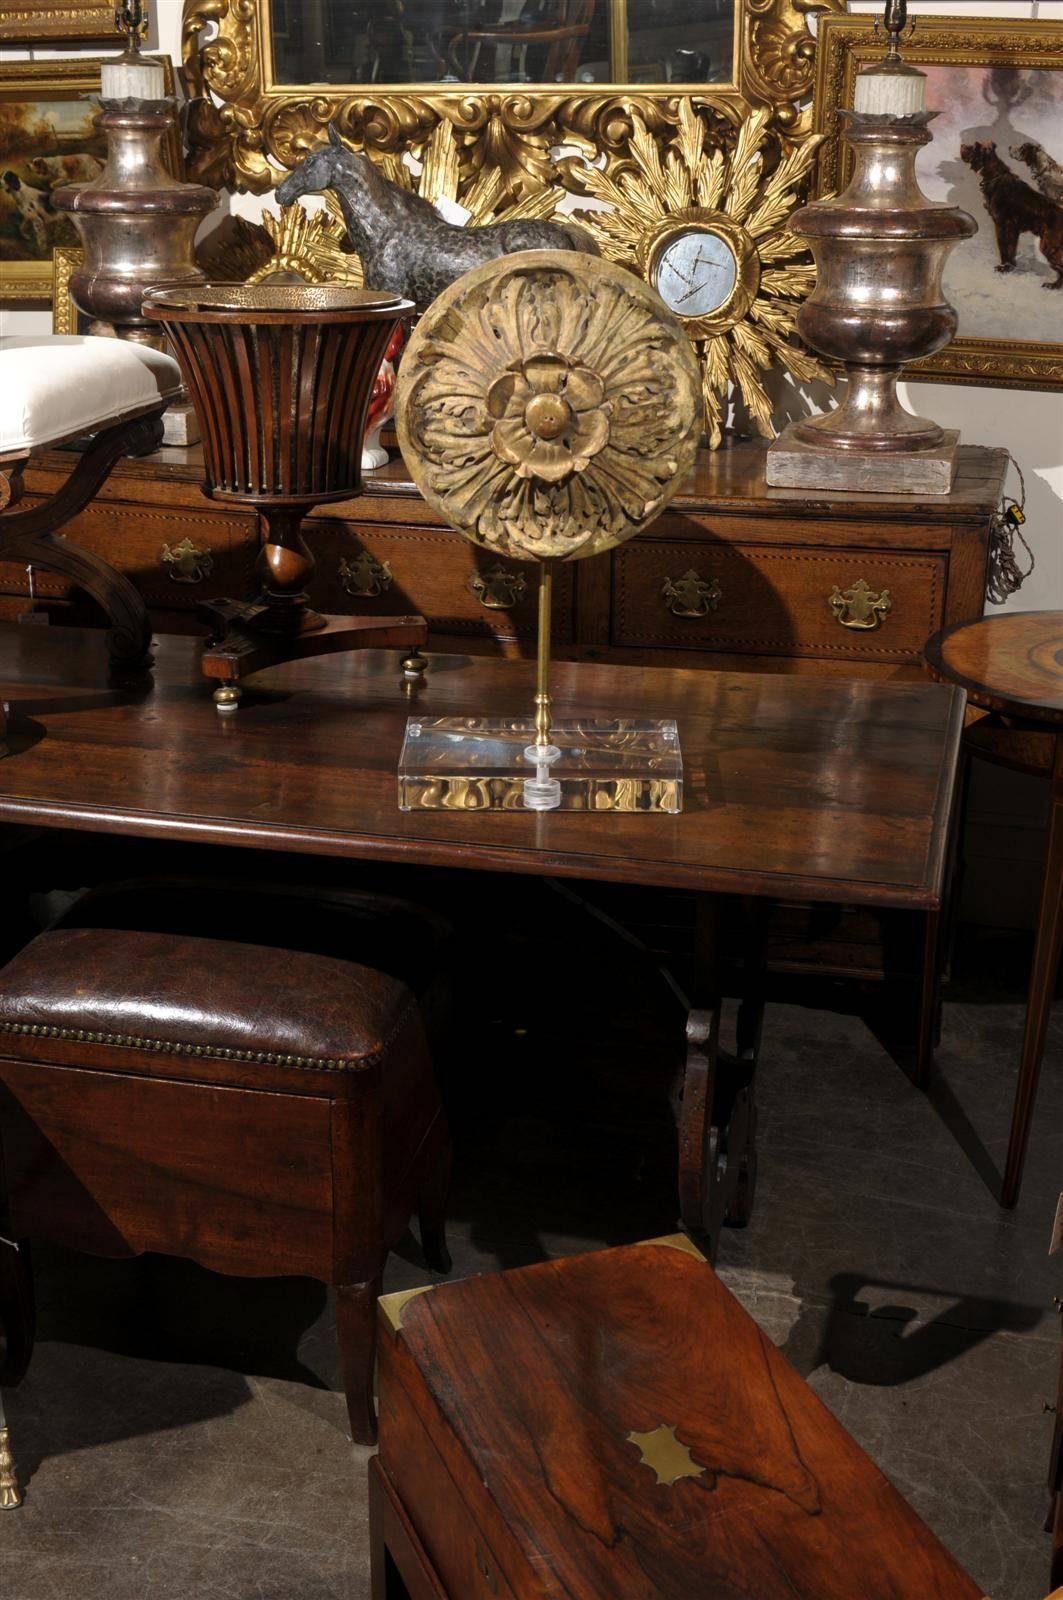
<point x="695" y="272"/>
<point x="383" y="42"/>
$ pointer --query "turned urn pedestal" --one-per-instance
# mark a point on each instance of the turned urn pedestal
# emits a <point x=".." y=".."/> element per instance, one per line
<point x="281" y="378"/>
<point x="878" y="303"/>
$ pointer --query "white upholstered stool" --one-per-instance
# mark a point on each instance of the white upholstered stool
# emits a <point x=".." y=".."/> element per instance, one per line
<point x="55" y="388"/>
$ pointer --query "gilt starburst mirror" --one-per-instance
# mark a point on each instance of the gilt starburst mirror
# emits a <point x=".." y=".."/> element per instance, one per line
<point x="705" y="224"/>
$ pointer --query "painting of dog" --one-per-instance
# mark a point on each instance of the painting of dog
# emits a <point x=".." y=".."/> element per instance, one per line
<point x="994" y="148"/>
<point x="985" y="115"/>
<point x="1047" y="173"/>
<point x="1015" y="209"/>
<point x="43" y="144"/>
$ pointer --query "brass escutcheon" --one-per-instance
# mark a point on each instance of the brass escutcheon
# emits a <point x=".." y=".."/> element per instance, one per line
<point x="364" y="576"/>
<point x="186" y="562"/>
<point x="498" y="589"/>
<point x="691" y="595"/>
<point x="859" y="607"/>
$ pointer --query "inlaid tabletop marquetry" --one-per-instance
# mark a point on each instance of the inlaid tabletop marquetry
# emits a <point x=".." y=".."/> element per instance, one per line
<point x="1011" y="663"/>
<point x="822" y="788"/>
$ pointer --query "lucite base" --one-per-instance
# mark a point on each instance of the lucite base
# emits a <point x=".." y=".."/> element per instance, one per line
<point x="628" y="764"/>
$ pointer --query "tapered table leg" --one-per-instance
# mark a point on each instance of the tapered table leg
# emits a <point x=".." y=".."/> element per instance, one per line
<point x="1047" y="947"/>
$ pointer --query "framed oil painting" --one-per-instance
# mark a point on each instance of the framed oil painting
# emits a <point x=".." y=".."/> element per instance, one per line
<point x="997" y="151"/>
<point x="47" y="139"/>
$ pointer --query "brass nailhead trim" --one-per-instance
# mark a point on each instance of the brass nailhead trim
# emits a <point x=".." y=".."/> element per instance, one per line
<point x="169" y="1047"/>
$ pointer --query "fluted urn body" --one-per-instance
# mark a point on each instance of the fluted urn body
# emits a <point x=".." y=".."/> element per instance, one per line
<point x="136" y="222"/>
<point x="880" y="251"/>
<point x="281" y="378"/>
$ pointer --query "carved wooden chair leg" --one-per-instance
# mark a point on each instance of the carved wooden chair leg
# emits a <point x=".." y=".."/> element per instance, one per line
<point x="10" y="1493"/>
<point x="432" y="1202"/>
<point x="718" y="1120"/>
<point x="17" y="1311"/>
<point x="356" y="1331"/>
<point x="17" y="1319"/>
<point x="698" y="1139"/>
<point x="29" y="536"/>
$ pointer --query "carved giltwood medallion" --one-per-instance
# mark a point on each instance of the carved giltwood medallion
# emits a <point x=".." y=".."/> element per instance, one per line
<point x="547" y="405"/>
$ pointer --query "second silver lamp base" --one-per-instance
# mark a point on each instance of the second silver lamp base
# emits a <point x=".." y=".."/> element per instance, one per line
<point x="794" y="464"/>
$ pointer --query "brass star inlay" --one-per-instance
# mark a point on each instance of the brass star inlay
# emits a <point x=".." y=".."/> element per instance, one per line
<point x="667" y="1455"/>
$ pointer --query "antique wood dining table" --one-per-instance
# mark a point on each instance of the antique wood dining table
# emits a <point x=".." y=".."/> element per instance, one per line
<point x="814" y="789"/>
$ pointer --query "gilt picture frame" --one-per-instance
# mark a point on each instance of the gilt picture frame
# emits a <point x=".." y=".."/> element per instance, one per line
<point x="998" y="87"/>
<point x="47" y="139"/>
<point x="264" y="125"/>
<point x="29" y="22"/>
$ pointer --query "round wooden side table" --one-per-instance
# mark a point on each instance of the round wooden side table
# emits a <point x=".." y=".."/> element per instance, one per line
<point x="1012" y="665"/>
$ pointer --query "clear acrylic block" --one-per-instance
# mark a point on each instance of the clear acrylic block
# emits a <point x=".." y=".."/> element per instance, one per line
<point x="623" y="764"/>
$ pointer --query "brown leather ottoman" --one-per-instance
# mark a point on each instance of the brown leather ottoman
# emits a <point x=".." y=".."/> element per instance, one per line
<point x="617" y="1425"/>
<point x="259" y="1110"/>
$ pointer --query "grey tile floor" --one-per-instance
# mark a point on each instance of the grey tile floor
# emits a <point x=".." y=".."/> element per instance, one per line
<point x="183" y="1435"/>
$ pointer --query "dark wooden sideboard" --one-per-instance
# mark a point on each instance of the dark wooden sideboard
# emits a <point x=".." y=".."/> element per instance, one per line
<point x="734" y="574"/>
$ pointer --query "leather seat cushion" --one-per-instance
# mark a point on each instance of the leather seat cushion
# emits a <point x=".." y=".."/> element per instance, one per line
<point x="55" y="386"/>
<point x="400" y="937"/>
<point x="200" y="996"/>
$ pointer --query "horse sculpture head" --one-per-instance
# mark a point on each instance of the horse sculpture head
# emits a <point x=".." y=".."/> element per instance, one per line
<point x="331" y="166"/>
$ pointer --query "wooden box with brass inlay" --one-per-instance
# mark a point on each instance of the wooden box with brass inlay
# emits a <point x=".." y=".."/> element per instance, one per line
<point x="616" y="1424"/>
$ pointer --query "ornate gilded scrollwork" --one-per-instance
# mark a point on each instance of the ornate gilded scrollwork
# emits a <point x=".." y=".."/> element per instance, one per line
<point x="499" y="589"/>
<point x="186" y="562"/>
<point x="691" y="595"/>
<point x="859" y="607"/>
<point x="364" y="576"/>
<point x="261" y="126"/>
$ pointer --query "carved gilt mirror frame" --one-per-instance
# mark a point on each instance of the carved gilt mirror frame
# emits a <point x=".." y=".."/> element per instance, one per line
<point x="261" y="125"/>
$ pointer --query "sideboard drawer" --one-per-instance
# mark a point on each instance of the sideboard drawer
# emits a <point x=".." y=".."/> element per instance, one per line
<point x="174" y="559"/>
<point x="756" y="599"/>
<point x="368" y="569"/>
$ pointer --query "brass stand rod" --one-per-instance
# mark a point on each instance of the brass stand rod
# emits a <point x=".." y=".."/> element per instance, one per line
<point x="542" y="683"/>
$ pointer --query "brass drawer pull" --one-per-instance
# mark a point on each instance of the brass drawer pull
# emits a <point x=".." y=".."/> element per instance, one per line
<point x="186" y="562"/>
<point x="859" y="607"/>
<point x="499" y="589"/>
<point x="691" y="595"/>
<point x="363" y="576"/>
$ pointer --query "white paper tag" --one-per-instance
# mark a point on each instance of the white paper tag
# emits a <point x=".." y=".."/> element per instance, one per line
<point x="451" y="212"/>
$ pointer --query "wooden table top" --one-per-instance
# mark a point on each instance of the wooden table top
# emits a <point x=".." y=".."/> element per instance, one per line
<point x="818" y="788"/>
<point x="1011" y="663"/>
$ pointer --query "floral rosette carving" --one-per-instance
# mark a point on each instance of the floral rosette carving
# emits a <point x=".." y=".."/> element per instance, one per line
<point x="549" y="405"/>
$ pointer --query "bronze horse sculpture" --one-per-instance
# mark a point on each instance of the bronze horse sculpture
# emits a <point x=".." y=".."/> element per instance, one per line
<point x="405" y="246"/>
